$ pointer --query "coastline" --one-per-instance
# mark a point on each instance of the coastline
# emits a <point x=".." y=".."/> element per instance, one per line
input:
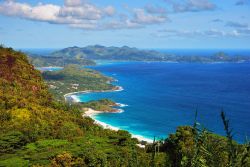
<point x="72" y="95"/>
<point x="48" y="68"/>
<point x="92" y="113"/>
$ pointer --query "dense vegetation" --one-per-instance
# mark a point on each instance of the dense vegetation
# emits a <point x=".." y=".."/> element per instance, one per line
<point x="196" y="146"/>
<point x="101" y="105"/>
<point x="125" y="53"/>
<point x="45" y="61"/>
<point x="38" y="131"/>
<point x="73" y="78"/>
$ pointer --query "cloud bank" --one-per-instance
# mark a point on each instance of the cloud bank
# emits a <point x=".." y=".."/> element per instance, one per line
<point x="84" y="15"/>
<point x="202" y="33"/>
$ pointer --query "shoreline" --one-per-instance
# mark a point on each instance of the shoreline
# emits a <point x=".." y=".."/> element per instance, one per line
<point x="92" y="113"/>
<point x="74" y="99"/>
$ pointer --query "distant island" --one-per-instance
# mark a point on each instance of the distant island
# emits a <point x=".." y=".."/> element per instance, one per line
<point x="59" y="61"/>
<point x="87" y="56"/>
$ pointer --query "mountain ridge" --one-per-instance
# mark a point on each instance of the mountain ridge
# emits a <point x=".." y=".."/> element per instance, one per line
<point x="125" y="53"/>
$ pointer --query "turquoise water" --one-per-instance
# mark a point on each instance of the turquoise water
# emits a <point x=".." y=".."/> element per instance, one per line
<point x="49" y="68"/>
<point x="163" y="96"/>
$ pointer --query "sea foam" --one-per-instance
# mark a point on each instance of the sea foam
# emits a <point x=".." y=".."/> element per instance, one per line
<point x="121" y="105"/>
<point x="75" y="98"/>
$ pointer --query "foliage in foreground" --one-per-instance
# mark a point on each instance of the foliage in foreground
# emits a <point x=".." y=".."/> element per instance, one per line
<point x="197" y="147"/>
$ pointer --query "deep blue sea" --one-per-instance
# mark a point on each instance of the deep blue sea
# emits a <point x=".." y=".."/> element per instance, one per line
<point x="205" y="52"/>
<point x="162" y="96"/>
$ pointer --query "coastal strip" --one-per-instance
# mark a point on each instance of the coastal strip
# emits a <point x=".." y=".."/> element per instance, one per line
<point x="92" y="113"/>
<point x="88" y="112"/>
<point x="73" y="98"/>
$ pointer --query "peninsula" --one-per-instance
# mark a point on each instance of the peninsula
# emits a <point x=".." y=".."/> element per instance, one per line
<point x="65" y="84"/>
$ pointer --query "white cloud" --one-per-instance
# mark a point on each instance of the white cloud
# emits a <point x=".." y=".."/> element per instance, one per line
<point x="141" y="17"/>
<point x="191" y="5"/>
<point x="85" y="11"/>
<point x="199" y="33"/>
<point x="109" y="10"/>
<point x="155" y="9"/>
<point x="47" y="12"/>
<point x="72" y="2"/>
<point x="81" y="14"/>
<point x="38" y="12"/>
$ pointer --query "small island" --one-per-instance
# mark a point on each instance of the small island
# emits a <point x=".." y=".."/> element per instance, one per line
<point x="102" y="106"/>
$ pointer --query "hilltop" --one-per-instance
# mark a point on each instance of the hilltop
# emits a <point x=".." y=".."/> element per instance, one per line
<point x="97" y="52"/>
<point x="45" y="61"/>
<point x="86" y="56"/>
<point x="125" y="53"/>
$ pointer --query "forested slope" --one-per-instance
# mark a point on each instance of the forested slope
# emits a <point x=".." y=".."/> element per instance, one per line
<point x="37" y="130"/>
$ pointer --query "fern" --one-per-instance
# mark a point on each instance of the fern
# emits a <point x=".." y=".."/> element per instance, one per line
<point x="232" y="153"/>
<point x="200" y="151"/>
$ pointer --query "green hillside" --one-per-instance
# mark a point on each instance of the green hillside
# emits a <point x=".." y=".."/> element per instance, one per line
<point x="74" y="78"/>
<point x="45" y="61"/>
<point x="37" y="130"/>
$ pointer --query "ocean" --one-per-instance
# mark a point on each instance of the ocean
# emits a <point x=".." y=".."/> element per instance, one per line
<point x="158" y="97"/>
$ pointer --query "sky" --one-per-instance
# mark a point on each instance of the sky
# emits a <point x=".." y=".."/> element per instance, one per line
<point x="166" y="24"/>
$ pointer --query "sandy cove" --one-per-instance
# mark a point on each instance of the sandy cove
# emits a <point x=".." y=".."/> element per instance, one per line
<point x="72" y="96"/>
<point x="88" y="112"/>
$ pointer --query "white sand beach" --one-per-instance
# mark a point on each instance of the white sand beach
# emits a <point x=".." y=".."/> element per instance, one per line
<point x="72" y="96"/>
<point x="88" y="112"/>
<point x="91" y="113"/>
